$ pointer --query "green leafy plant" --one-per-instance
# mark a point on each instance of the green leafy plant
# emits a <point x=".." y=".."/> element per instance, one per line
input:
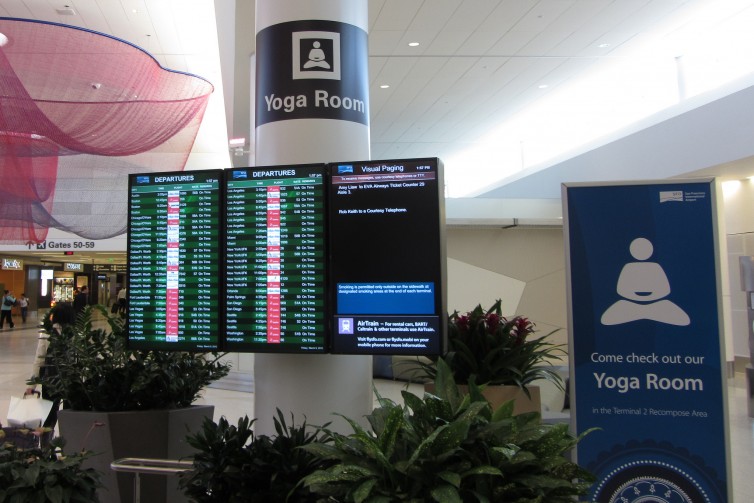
<point x="495" y="350"/>
<point x="44" y="474"/>
<point x="233" y="465"/>
<point x="95" y="371"/>
<point x="448" y="447"/>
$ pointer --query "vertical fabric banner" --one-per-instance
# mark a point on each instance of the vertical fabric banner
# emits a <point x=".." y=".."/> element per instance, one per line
<point x="646" y="341"/>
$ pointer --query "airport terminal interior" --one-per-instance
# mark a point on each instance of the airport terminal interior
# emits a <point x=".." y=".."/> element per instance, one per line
<point x="516" y="98"/>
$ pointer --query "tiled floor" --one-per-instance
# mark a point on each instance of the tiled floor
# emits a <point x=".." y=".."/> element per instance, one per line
<point x="17" y="347"/>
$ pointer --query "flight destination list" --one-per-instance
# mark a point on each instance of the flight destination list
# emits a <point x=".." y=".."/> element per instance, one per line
<point x="275" y="259"/>
<point x="174" y="260"/>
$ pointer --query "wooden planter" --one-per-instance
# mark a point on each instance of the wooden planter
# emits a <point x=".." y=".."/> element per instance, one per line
<point x="499" y="394"/>
<point x="159" y="434"/>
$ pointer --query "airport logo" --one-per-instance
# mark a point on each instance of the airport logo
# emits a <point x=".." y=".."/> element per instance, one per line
<point x="316" y="55"/>
<point x="344" y="169"/>
<point x="671" y="196"/>
<point x="240" y="175"/>
<point x="142" y="179"/>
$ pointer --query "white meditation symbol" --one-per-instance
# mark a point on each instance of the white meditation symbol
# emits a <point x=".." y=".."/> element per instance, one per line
<point x="644" y="286"/>
<point x="317" y="58"/>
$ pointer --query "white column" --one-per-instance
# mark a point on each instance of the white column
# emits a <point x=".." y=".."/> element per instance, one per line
<point x="312" y="105"/>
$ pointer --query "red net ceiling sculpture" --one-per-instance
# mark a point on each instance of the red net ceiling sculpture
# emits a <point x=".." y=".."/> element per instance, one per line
<point x="80" y="110"/>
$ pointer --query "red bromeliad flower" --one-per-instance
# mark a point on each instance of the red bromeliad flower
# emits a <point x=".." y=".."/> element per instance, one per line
<point x="463" y="323"/>
<point x="493" y="322"/>
<point x="497" y="350"/>
<point x="523" y="327"/>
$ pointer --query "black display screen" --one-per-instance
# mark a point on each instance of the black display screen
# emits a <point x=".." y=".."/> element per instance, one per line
<point x="387" y="257"/>
<point x="174" y="260"/>
<point x="275" y="259"/>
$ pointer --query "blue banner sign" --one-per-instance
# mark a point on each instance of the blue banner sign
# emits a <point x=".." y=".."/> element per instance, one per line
<point x="646" y="344"/>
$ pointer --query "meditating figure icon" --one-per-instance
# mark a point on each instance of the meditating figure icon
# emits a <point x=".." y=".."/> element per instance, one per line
<point x="644" y="286"/>
<point x="317" y="57"/>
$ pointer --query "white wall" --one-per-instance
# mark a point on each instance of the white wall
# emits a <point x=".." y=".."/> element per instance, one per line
<point x="739" y="221"/>
<point x="525" y="267"/>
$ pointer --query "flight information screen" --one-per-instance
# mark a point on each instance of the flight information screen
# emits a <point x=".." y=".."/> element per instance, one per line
<point x="387" y="252"/>
<point x="275" y="259"/>
<point x="174" y="260"/>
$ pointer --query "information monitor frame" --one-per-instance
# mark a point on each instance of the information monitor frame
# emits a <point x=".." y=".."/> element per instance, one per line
<point x="289" y="300"/>
<point x="388" y="260"/>
<point x="152" y="296"/>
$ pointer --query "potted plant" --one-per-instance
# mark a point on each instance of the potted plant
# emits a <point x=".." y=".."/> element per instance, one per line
<point x="450" y="447"/>
<point x="121" y="402"/>
<point x="232" y="464"/>
<point x="501" y="353"/>
<point x="45" y="474"/>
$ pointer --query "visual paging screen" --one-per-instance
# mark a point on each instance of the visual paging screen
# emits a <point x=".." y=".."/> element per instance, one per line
<point x="175" y="227"/>
<point x="387" y="257"/>
<point x="275" y="274"/>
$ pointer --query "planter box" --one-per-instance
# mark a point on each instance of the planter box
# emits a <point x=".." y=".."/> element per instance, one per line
<point x="499" y="394"/>
<point x="159" y="434"/>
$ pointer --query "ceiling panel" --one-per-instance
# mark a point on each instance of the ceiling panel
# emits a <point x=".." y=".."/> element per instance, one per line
<point x="167" y="36"/>
<point x="91" y="15"/>
<point x="579" y="15"/>
<point x="374" y="8"/>
<point x="506" y="15"/>
<point x="478" y="43"/>
<point x="543" y="43"/>
<point x="384" y="42"/>
<point x="433" y="15"/>
<point x="470" y="14"/>
<point x="415" y="131"/>
<point x="396" y="14"/>
<point x="511" y="43"/>
<point x="15" y="8"/>
<point x="424" y="38"/>
<point x="375" y="67"/>
<point x="447" y="42"/>
<point x="543" y="15"/>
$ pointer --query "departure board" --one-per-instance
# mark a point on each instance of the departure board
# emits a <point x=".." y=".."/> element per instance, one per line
<point x="387" y="257"/>
<point x="174" y="260"/>
<point x="275" y="274"/>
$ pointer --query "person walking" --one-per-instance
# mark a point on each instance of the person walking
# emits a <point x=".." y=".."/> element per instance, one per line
<point x="23" y="303"/>
<point x="122" y="301"/>
<point x="5" y="310"/>
<point x="61" y="316"/>
<point x="81" y="299"/>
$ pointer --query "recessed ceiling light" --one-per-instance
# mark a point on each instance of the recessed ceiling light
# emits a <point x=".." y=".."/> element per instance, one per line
<point x="413" y="44"/>
<point x="543" y="86"/>
<point x="3" y="39"/>
<point x="603" y="46"/>
<point x="384" y="86"/>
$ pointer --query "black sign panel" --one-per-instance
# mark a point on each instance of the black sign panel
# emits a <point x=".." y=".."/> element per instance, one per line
<point x="275" y="259"/>
<point x="387" y="257"/>
<point x="174" y="260"/>
<point x="312" y="69"/>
